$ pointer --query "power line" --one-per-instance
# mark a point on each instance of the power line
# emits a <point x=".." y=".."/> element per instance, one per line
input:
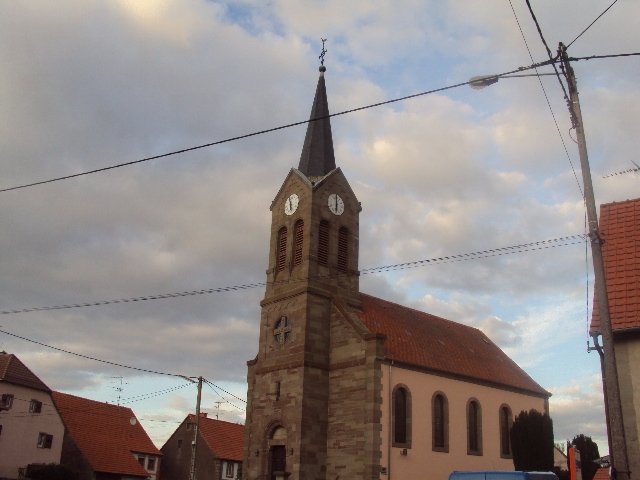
<point x="614" y="1"/>
<point x="211" y="386"/>
<point x="575" y="175"/>
<point x="269" y="130"/>
<point x="228" y="393"/>
<point x="90" y="358"/>
<point x="432" y="261"/>
<point x="629" y="170"/>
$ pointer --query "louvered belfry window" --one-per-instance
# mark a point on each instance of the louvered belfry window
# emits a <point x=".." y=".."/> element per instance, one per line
<point x="323" y="243"/>
<point x="343" y="249"/>
<point x="281" y="259"/>
<point x="298" y="235"/>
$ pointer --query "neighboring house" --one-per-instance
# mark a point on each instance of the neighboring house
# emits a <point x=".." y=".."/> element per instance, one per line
<point x="559" y="459"/>
<point x="31" y="430"/>
<point x="219" y="450"/>
<point x="620" y="230"/>
<point x="350" y="386"/>
<point x="104" y="441"/>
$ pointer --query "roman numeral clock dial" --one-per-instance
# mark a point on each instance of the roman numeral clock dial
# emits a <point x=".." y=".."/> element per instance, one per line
<point x="336" y="205"/>
<point x="291" y="204"/>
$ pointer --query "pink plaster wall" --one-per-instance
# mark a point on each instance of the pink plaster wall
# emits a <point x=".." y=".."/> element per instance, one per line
<point x="421" y="461"/>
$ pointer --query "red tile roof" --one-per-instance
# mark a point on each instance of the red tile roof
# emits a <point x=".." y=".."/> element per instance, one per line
<point x="225" y="439"/>
<point x="602" y="474"/>
<point x="12" y="370"/>
<point x="620" y="230"/>
<point x="104" y="434"/>
<point x="445" y="347"/>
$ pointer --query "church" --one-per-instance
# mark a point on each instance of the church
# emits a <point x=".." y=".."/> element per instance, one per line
<point x="347" y="386"/>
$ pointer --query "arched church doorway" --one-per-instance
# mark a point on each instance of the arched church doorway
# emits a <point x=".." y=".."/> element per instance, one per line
<point x="277" y="453"/>
<point x="278" y="460"/>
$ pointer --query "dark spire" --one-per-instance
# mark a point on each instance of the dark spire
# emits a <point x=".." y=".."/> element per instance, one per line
<point x="317" y="157"/>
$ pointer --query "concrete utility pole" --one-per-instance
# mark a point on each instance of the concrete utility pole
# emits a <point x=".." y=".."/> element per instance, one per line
<point x="619" y="459"/>
<point x="194" y="444"/>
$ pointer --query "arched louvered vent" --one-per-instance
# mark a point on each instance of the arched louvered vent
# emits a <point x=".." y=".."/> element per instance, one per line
<point x="298" y="235"/>
<point x="343" y="249"/>
<point x="323" y="243"/>
<point x="281" y="258"/>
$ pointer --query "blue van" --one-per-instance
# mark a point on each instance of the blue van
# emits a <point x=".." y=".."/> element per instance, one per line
<point x="500" y="475"/>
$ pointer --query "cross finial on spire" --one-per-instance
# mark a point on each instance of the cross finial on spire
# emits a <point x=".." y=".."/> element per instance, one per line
<point x="324" y="51"/>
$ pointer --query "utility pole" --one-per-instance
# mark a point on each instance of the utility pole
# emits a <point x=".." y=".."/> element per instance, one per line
<point x="194" y="444"/>
<point x="620" y="461"/>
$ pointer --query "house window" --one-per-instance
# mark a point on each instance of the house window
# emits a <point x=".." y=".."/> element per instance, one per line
<point x="35" y="406"/>
<point x="474" y="428"/>
<point x="45" y="440"/>
<point x="281" y="256"/>
<point x="506" y="420"/>
<point x="401" y="417"/>
<point x="141" y="461"/>
<point x="188" y="426"/>
<point x="298" y="236"/>
<point x="151" y="464"/>
<point x="239" y="473"/>
<point x="7" y="401"/>
<point x="440" y="422"/>
<point x="323" y="243"/>
<point x="229" y="472"/>
<point x="179" y="444"/>
<point x="343" y="249"/>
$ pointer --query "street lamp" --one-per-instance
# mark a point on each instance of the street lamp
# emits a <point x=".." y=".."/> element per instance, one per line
<point x="482" y="81"/>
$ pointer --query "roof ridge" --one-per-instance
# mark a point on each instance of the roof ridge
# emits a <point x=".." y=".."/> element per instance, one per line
<point x="422" y="312"/>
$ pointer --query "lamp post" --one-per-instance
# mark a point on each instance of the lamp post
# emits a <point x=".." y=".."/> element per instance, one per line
<point x="615" y="427"/>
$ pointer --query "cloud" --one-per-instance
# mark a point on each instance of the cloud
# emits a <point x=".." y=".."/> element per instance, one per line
<point x="577" y="409"/>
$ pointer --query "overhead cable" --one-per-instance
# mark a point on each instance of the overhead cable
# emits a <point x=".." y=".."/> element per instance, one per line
<point x="91" y="358"/>
<point x="432" y="261"/>
<point x="269" y="130"/>
<point x="607" y="9"/>
<point x="575" y="175"/>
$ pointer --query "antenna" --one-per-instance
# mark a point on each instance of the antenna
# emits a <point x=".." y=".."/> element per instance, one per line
<point x="119" y="389"/>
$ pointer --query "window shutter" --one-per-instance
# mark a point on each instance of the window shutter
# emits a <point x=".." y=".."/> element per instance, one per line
<point x="323" y="243"/>
<point x="48" y="441"/>
<point x="282" y="249"/>
<point x="298" y="235"/>
<point x="343" y="249"/>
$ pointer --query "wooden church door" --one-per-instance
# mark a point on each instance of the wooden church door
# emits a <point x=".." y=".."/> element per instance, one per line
<point x="278" y="460"/>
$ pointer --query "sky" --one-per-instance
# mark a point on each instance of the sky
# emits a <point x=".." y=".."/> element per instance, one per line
<point x="87" y="84"/>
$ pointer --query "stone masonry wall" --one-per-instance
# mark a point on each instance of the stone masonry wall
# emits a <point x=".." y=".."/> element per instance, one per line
<point x="353" y="439"/>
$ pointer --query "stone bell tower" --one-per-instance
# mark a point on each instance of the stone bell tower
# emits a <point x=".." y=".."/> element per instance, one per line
<point x="313" y="265"/>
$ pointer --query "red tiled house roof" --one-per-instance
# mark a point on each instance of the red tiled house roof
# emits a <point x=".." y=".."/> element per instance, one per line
<point x="12" y="370"/>
<point x="225" y="439"/>
<point x="444" y="347"/>
<point x="602" y="474"/>
<point x="620" y="230"/>
<point x="104" y="434"/>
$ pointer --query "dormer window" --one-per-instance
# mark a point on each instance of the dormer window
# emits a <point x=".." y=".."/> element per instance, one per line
<point x="281" y="256"/>
<point x="343" y="249"/>
<point x="298" y="236"/>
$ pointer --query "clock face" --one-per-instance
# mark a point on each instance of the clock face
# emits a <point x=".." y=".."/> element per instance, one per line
<point x="291" y="204"/>
<point x="336" y="205"/>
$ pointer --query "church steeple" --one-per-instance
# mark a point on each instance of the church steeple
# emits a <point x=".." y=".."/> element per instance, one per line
<point x="317" y="157"/>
